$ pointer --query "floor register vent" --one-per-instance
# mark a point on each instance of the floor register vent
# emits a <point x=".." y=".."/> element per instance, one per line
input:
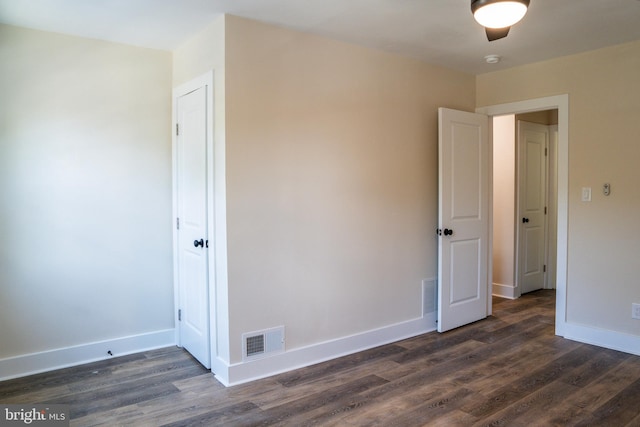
<point x="264" y="343"/>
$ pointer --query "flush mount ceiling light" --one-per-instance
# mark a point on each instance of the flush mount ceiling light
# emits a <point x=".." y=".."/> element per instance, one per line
<point x="497" y="16"/>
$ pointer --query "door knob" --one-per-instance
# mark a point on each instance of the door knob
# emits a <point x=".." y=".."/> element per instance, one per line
<point x="448" y="232"/>
<point x="197" y="243"/>
<point x="525" y="220"/>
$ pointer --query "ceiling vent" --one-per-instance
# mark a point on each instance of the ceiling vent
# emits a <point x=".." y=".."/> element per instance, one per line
<point x="258" y="344"/>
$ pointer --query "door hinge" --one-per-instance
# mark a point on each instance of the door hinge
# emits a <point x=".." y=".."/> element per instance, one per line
<point x="177" y="223"/>
<point x="545" y="210"/>
<point x="545" y="151"/>
<point x="544" y="268"/>
<point x="179" y="315"/>
<point x="177" y="129"/>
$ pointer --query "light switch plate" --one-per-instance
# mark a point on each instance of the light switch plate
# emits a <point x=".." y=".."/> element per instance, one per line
<point x="586" y="194"/>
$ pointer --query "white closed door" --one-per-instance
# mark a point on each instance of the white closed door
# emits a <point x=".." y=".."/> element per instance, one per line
<point x="463" y="231"/>
<point x="532" y="199"/>
<point x="191" y="223"/>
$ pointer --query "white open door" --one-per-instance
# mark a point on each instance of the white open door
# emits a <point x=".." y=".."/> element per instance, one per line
<point x="191" y="223"/>
<point x="463" y="218"/>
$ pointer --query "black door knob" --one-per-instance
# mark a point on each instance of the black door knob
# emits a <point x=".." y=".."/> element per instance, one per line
<point x="525" y="220"/>
<point x="197" y="243"/>
<point x="448" y="232"/>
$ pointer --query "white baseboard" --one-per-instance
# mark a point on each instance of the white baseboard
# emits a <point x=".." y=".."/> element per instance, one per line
<point x="34" y="363"/>
<point x="602" y="338"/>
<point x="504" y="291"/>
<point x="239" y="373"/>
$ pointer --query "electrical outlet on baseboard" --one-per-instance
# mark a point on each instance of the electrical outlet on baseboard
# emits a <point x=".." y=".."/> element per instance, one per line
<point x="635" y="311"/>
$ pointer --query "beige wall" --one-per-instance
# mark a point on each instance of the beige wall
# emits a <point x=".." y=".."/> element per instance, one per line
<point x="504" y="204"/>
<point x="200" y="54"/>
<point x="85" y="191"/>
<point x="604" y="235"/>
<point x="331" y="164"/>
<point x="548" y="117"/>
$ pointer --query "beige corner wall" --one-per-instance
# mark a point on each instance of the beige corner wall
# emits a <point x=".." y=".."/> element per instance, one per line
<point x="604" y="234"/>
<point x="504" y="205"/>
<point x="85" y="194"/>
<point x="331" y="160"/>
<point x="199" y="55"/>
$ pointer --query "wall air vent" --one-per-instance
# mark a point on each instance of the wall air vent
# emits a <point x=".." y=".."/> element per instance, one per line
<point x="429" y="296"/>
<point x="255" y="345"/>
<point x="264" y="343"/>
<point x="430" y="301"/>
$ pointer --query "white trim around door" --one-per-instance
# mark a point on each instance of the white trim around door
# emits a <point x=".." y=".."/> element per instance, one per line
<point x="561" y="103"/>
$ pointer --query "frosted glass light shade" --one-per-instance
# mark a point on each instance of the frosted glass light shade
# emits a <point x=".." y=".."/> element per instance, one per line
<point x="500" y="14"/>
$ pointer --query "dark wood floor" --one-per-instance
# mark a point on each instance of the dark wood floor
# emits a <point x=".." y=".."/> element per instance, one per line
<point x="507" y="370"/>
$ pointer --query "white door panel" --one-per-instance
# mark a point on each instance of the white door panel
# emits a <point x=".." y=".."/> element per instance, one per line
<point x="532" y="145"/>
<point x="463" y="218"/>
<point x="464" y="254"/>
<point x="192" y="245"/>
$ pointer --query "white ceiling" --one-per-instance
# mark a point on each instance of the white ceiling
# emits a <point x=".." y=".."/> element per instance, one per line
<point x="436" y="31"/>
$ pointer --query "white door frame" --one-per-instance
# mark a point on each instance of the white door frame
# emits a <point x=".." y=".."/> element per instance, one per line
<point x="205" y="80"/>
<point x="561" y="103"/>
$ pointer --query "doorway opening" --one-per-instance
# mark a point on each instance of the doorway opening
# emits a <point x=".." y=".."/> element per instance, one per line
<point x="524" y="202"/>
<point x="561" y="103"/>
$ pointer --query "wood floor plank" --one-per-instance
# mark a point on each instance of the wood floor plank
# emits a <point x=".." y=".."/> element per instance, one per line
<point x="429" y="411"/>
<point x="520" y="361"/>
<point x="452" y="419"/>
<point x="283" y="395"/>
<point x="604" y="361"/>
<point x="522" y="412"/>
<point x="509" y="330"/>
<point x="320" y="370"/>
<point x="101" y="401"/>
<point x="220" y="417"/>
<point x="308" y="403"/>
<point x="200" y="384"/>
<point x="131" y="374"/>
<point x="433" y="358"/>
<point x="375" y="408"/>
<point x="634" y="422"/>
<point x="465" y="364"/>
<point x="432" y="346"/>
<point x="509" y="369"/>
<point x="113" y="396"/>
<point x="22" y="386"/>
<point x="162" y="410"/>
<point x="45" y="394"/>
<point x="621" y="409"/>
<point x="579" y="406"/>
<point x="121" y="416"/>
<point x="516" y="390"/>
